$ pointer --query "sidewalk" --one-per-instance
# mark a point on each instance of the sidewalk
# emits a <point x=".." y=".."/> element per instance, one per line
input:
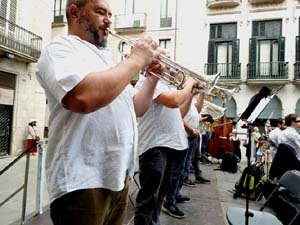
<point x="208" y="205"/>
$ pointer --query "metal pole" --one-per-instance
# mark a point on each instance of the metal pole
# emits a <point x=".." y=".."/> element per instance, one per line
<point x="25" y="188"/>
<point x="40" y="177"/>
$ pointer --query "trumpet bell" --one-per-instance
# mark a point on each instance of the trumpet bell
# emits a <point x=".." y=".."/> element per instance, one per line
<point x="214" y="110"/>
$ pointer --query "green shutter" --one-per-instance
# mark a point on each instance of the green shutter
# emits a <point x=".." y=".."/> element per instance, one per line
<point x="211" y="58"/>
<point x="3" y="8"/>
<point x="13" y="11"/>
<point x="298" y="48"/>
<point x="281" y="49"/>
<point x="235" y="50"/>
<point x="262" y="29"/>
<point x="219" y="31"/>
<point x="212" y="34"/>
<point x="252" y="50"/>
<point x="211" y="52"/>
<point x="255" y="28"/>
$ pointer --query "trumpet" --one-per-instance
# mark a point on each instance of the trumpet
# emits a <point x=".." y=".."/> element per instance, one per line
<point x="223" y="92"/>
<point x="212" y="109"/>
<point x="178" y="74"/>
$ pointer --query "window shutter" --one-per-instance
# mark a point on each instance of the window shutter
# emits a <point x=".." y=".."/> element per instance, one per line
<point x="235" y="50"/>
<point x="12" y="14"/>
<point x="252" y="50"/>
<point x="262" y="29"/>
<point x="13" y="11"/>
<point x="212" y="32"/>
<point x="255" y="29"/>
<point x="281" y="49"/>
<point x="298" y="48"/>
<point x="3" y="8"/>
<point x="211" y="52"/>
<point x="219" y="31"/>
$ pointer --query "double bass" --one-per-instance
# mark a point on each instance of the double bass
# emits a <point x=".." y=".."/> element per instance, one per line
<point x="220" y="141"/>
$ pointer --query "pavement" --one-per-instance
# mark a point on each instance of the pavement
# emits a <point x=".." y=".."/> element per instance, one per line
<point x="208" y="206"/>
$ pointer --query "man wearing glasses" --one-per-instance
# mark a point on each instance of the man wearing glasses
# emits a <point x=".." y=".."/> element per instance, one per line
<point x="290" y="136"/>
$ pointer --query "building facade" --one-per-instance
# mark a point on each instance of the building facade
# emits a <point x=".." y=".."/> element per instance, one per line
<point x="252" y="43"/>
<point x="22" y="37"/>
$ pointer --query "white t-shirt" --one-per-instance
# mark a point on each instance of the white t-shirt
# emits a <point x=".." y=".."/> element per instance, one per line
<point x="291" y="137"/>
<point x="274" y="138"/>
<point x="192" y="116"/>
<point x="160" y="125"/>
<point x="91" y="150"/>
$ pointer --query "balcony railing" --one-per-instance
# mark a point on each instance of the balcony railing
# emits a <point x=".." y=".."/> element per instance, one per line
<point x="19" y="41"/>
<point x="129" y="22"/>
<point x="297" y="70"/>
<point x="222" y="3"/>
<point x="268" y="70"/>
<point x="59" y="16"/>
<point x="229" y="71"/>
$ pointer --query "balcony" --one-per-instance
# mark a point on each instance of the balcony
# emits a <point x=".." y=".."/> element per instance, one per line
<point x="130" y="22"/>
<point x="229" y="71"/>
<point x="213" y="4"/>
<point x="19" y="42"/>
<point x="264" y="1"/>
<point x="268" y="71"/>
<point x="297" y="71"/>
<point x="59" y="17"/>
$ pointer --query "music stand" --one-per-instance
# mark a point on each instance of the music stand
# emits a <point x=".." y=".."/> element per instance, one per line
<point x="256" y="106"/>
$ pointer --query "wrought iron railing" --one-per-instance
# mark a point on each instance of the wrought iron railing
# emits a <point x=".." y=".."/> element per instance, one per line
<point x="268" y="70"/>
<point x="19" y="40"/>
<point x="228" y="71"/>
<point x="297" y="70"/>
<point x="24" y="186"/>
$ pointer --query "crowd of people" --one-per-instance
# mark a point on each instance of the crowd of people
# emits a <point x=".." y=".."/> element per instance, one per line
<point x="99" y="122"/>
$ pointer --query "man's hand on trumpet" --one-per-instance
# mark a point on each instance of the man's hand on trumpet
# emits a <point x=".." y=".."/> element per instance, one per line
<point x="144" y="52"/>
<point x="156" y="67"/>
<point x="196" y="87"/>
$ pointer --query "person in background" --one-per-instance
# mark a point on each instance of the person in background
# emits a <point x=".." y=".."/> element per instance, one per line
<point x="162" y="149"/>
<point x="236" y="143"/>
<point x="32" y="137"/>
<point x="254" y="141"/>
<point x="260" y="150"/>
<point x="274" y="136"/>
<point x="93" y="110"/>
<point x="290" y="136"/>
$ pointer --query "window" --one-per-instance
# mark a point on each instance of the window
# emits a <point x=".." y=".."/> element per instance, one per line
<point x="134" y="6"/>
<point x="267" y="50"/>
<point x="166" y="9"/>
<point x="223" y="50"/>
<point x="59" y="11"/>
<point x="165" y="44"/>
<point x="8" y="10"/>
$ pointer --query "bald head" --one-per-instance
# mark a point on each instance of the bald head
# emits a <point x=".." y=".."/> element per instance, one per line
<point x="89" y="20"/>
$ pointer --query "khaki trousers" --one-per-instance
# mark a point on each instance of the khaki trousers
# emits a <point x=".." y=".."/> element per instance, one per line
<point x="90" y="207"/>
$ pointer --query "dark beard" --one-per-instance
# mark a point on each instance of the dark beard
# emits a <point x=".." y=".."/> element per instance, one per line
<point x="93" y="32"/>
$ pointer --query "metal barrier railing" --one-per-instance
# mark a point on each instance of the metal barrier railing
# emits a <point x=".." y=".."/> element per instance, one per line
<point x="40" y="180"/>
